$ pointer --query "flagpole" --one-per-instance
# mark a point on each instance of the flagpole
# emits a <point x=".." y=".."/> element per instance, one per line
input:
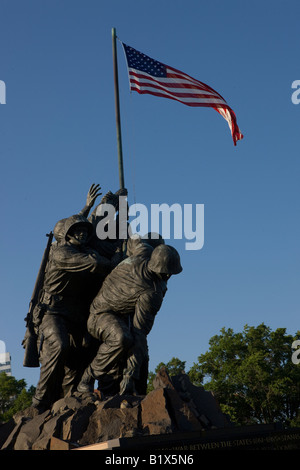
<point x="117" y="108"/>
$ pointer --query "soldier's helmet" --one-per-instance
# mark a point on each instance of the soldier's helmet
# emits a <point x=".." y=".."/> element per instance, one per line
<point x="59" y="231"/>
<point x="165" y="260"/>
<point x="74" y="220"/>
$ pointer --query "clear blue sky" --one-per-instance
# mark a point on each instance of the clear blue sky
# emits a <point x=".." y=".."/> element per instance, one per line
<point x="58" y="135"/>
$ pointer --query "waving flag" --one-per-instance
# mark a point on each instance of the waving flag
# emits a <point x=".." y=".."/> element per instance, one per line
<point x="147" y="75"/>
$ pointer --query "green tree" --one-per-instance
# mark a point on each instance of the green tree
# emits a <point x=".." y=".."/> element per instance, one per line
<point x="252" y="374"/>
<point x="13" y="396"/>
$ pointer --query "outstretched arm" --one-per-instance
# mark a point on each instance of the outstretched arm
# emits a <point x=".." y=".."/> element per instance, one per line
<point x="92" y="195"/>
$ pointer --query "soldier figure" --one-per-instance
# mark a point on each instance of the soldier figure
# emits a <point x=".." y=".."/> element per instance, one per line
<point x="122" y="315"/>
<point x="67" y="293"/>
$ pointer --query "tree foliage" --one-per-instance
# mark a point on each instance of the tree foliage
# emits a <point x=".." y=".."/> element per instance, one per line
<point x="251" y="373"/>
<point x="13" y="396"/>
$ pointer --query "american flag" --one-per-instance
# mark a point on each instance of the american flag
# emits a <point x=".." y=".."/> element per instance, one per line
<point x="147" y="75"/>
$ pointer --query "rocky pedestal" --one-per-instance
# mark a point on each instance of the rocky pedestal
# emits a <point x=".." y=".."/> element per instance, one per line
<point x="175" y="406"/>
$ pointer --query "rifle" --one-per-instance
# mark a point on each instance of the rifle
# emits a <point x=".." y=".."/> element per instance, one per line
<point x="31" y="356"/>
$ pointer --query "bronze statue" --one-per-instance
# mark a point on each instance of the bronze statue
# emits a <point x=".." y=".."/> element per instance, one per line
<point x="122" y="315"/>
<point x="74" y="273"/>
<point x="65" y="304"/>
<point x="97" y="305"/>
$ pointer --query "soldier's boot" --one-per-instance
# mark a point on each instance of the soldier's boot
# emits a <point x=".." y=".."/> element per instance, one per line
<point x="86" y="384"/>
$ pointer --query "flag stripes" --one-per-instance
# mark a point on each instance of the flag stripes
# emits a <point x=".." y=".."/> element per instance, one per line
<point x="148" y="76"/>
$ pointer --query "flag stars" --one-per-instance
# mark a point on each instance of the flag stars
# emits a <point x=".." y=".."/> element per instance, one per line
<point x="142" y="62"/>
